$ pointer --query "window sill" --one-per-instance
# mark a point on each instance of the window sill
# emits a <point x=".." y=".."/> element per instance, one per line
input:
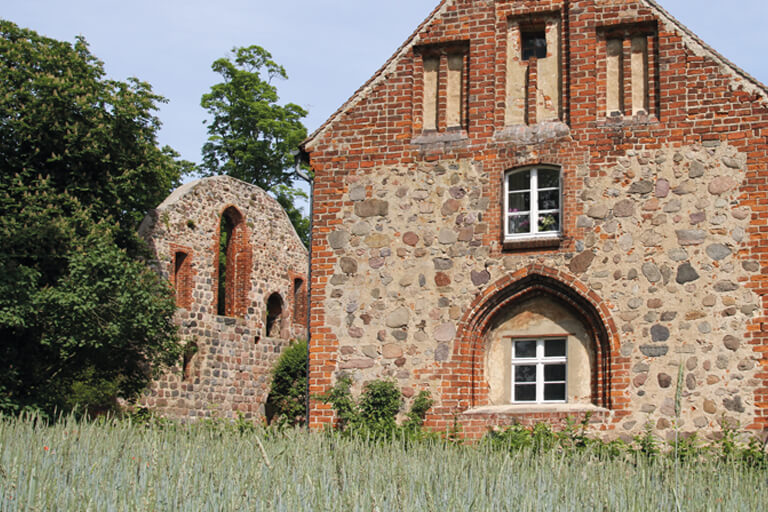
<point x="516" y="244"/>
<point x="452" y="135"/>
<point x="517" y="409"/>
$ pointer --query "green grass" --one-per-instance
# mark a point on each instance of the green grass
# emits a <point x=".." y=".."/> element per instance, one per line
<point x="119" y="466"/>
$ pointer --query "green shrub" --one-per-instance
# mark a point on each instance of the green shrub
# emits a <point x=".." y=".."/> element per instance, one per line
<point x="287" y="400"/>
<point x="373" y="416"/>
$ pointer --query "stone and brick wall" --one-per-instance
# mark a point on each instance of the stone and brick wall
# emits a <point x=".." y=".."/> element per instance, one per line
<point x="228" y="369"/>
<point x="662" y="251"/>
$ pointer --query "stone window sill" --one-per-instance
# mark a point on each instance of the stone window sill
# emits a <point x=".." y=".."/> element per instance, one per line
<point x="434" y="137"/>
<point x="520" y="244"/>
<point x="519" y="409"/>
<point x="619" y="120"/>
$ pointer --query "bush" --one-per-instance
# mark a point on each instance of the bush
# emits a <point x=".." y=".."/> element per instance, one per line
<point x="287" y="400"/>
<point x="373" y="416"/>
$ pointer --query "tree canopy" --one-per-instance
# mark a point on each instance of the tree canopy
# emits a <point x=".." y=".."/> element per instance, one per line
<point x="82" y="318"/>
<point x="251" y="136"/>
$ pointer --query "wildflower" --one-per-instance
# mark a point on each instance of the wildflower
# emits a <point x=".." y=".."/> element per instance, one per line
<point x="45" y="448"/>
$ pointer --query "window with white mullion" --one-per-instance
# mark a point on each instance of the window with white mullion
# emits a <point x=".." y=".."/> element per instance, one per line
<point x="539" y="371"/>
<point x="532" y="203"/>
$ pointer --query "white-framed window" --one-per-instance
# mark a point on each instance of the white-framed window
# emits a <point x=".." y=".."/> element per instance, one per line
<point x="539" y="371"/>
<point x="532" y="203"/>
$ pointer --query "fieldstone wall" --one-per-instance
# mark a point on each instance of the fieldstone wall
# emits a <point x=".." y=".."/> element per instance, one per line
<point x="662" y="251"/>
<point x="227" y="368"/>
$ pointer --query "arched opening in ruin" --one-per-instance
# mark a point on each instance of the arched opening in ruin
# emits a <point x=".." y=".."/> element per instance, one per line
<point x="274" y="315"/>
<point x="233" y="264"/>
<point x="188" y="358"/>
<point x="299" y="301"/>
<point x="182" y="279"/>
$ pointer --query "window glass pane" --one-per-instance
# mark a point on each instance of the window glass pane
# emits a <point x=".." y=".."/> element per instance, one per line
<point x="554" y="348"/>
<point x="549" y="200"/>
<point x="519" y="181"/>
<point x="549" y="222"/>
<point x="525" y="393"/>
<point x="554" y="392"/>
<point x="549" y="178"/>
<point x="525" y="373"/>
<point x="525" y="349"/>
<point x="554" y="372"/>
<point x="519" y="224"/>
<point x="520" y="202"/>
<point x="534" y="45"/>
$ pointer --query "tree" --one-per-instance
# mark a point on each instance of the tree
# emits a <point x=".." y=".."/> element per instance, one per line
<point x="83" y="320"/>
<point x="251" y="136"/>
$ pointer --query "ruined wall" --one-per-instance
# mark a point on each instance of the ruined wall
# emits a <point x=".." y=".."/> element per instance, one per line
<point x="661" y="249"/>
<point x="227" y="371"/>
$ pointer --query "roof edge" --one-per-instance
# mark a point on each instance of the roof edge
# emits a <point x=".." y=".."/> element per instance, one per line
<point x="358" y="94"/>
<point x="717" y="55"/>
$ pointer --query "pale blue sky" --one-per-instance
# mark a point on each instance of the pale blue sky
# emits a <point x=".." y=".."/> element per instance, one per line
<point x="328" y="47"/>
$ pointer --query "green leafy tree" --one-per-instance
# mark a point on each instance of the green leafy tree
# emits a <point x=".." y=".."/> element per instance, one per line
<point x="286" y="403"/>
<point x="250" y="136"/>
<point x="82" y="319"/>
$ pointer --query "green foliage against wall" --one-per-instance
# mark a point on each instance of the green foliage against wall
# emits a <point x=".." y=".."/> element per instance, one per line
<point x="287" y="401"/>
<point x="81" y="318"/>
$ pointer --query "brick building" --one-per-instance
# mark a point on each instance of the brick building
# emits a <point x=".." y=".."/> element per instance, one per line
<point x="241" y="297"/>
<point x="546" y="208"/>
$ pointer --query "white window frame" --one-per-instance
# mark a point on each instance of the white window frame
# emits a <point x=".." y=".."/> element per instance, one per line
<point x="540" y="361"/>
<point x="534" y="213"/>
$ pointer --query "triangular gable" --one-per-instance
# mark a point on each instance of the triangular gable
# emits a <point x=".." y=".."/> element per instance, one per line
<point x="694" y="43"/>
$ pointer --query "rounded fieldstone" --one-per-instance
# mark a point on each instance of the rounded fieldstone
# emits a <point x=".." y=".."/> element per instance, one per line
<point x="348" y="265"/>
<point x="726" y="286"/>
<point x="449" y="207"/>
<point x="377" y="241"/>
<point x="751" y="266"/>
<point x="457" y="192"/>
<point x="731" y="342"/>
<point x="580" y="263"/>
<point x="696" y="170"/>
<point x="400" y="334"/>
<point x="690" y="381"/>
<point x="710" y="407"/>
<point x="673" y="206"/>
<point x="357" y="193"/>
<point x="624" y="208"/>
<point x="410" y="238"/>
<point x="731" y="162"/>
<point x="651" y="272"/>
<point x="584" y="222"/>
<point x="361" y="228"/>
<point x="690" y="236"/>
<point x="664" y="380"/>
<point x="640" y="379"/>
<point x="442" y="352"/>
<point x="400" y="362"/>
<point x="442" y="263"/>
<point x="447" y="236"/>
<point x="733" y="404"/>
<point x="718" y="252"/>
<point x="391" y="351"/>
<point x="721" y="185"/>
<point x="338" y="239"/>
<point x="659" y="333"/>
<point x="480" y="278"/>
<point x="641" y="187"/>
<point x="442" y="279"/>
<point x="655" y="303"/>
<point x="686" y="274"/>
<point x="398" y="318"/>
<point x="598" y="211"/>
<point x="355" y="332"/>
<point x="372" y="208"/>
<point x="662" y="188"/>
<point x="376" y="262"/>
<point x="697" y="218"/>
<point x="705" y="328"/>
<point x="654" y="350"/>
<point x="445" y="332"/>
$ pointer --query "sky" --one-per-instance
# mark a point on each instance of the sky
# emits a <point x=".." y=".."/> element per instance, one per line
<point x="328" y="47"/>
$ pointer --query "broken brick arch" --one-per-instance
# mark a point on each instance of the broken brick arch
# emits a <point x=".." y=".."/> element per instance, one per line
<point x="467" y="381"/>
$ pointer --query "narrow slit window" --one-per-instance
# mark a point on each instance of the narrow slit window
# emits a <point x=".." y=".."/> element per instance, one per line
<point x="431" y="68"/>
